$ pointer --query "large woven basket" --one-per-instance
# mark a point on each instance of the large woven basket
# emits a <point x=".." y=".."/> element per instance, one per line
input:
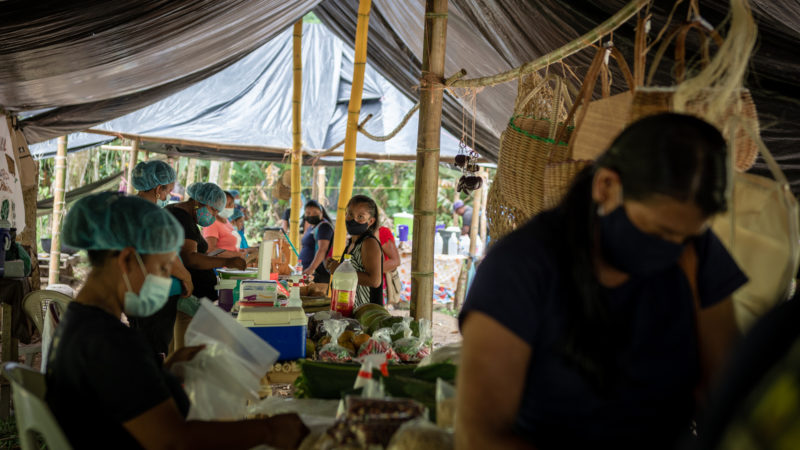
<point x="281" y="191"/>
<point x="653" y="100"/>
<point x="558" y="178"/>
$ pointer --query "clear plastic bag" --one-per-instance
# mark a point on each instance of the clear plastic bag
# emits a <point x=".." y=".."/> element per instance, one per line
<point x="379" y="344"/>
<point x="414" y="349"/>
<point x="332" y="351"/>
<point x="446" y="354"/>
<point x="445" y="404"/>
<point x="420" y="434"/>
<point x="221" y="379"/>
<point x="372" y="388"/>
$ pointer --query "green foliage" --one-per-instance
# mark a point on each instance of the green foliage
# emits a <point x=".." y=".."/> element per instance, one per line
<point x="8" y="435"/>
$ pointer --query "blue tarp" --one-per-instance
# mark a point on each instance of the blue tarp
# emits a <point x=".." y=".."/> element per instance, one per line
<point x="249" y="103"/>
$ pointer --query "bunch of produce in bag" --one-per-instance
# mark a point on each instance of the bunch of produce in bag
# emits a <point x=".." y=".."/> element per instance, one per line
<point x="332" y="351"/>
<point x="414" y="349"/>
<point x="380" y="343"/>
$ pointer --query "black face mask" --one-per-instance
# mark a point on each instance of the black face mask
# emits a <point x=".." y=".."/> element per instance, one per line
<point x="355" y="228"/>
<point x="314" y="220"/>
<point x="629" y="249"/>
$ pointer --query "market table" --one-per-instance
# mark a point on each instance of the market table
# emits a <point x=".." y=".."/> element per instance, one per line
<point x="15" y="327"/>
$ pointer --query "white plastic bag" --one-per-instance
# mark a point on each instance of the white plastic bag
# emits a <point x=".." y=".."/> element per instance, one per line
<point x="227" y="373"/>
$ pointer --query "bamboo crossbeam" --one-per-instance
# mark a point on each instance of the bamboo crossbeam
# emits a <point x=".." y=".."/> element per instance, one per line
<point x="569" y="49"/>
<point x="297" y="137"/>
<point x="134" y="155"/>
<point x="353" y="112"/>
<point x="58" y="211"/>
<point x="191" y="143"/>
<point x="426" y="185"/>
<point x="117" y="148"/>
<point x="396" y="158"/>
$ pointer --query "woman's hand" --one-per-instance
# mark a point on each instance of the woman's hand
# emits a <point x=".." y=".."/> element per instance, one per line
<point x="236" y="263"/>
<point x="285" y="431"/>
<point x="182" y="355"/>
<point x="188" y="286"/>
<point x="309" y="271"/>
<point x="331" y="264"/>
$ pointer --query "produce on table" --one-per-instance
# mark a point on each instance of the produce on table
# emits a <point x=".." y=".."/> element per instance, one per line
<point x="414" y="349"/>
<point x="379" y="343"/>
<point x="332" y="351"/>
<point x="369" y="422"/>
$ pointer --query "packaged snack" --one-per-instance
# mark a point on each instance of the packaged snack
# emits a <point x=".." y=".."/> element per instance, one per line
<point x="332" y="351"/>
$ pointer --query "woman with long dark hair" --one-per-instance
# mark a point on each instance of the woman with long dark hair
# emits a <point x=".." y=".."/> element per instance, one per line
<point x="580" y="327"/>
<point x="364" y="248"/>
<point x="316" y="241"/>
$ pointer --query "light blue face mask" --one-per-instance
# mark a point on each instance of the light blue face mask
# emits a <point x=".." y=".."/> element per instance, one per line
<point x="151" y="297"/>
<point x="162" y="203"/>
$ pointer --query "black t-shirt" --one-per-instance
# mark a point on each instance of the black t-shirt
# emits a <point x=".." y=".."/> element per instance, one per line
<point x="101" y="374"/>
<point x="520" y="284"/>
<point x="204" y="281"/>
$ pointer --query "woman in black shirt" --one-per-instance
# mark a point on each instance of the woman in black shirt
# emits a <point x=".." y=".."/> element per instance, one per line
<point x="583" y="322"/>
<point x="105" y="386"/>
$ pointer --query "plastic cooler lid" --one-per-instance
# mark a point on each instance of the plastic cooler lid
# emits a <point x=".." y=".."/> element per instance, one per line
<point x="265" y="316"/>
<point x="228" y="274"/>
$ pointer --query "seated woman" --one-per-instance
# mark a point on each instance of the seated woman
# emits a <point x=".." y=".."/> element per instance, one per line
<point x="237" y="220"/>
<point x="221" y="235"/>
<point x="316" y="242"/>
<point x="105" y="386"/>
<point x="364" y="248"/>
<point x="583" y="321"/>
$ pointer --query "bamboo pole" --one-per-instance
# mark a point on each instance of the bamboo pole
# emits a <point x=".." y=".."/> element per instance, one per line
<point x="484" y="201"/>
<point x="353" y="111"/>
<point x="568" y="49"/>
<point x="58" y="211"/>
<point x="134" y="156"/>
<point x="477" y="206"/>
<point x="213" y="172"/>
<point x="191" y="168"/>
<point x="427" y="180"/>
<point x="224" y="175"/>
<point x="297" y="136"/>
<point x="318" y="190"/>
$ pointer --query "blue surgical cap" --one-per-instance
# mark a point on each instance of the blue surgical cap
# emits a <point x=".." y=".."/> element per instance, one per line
<point x="113" y="221"/>
<point x="148" y="175"/>
<point x="235" y="192"/>
<point x="236" y="214"/>
<point x="208" y="194"/>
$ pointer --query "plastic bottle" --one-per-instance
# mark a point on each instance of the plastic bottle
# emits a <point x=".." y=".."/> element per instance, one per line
<point x="438" y="244"/>
<point x="452" y="244"/>
<point x="344" y="282"/>
<point x="463" y="245"/>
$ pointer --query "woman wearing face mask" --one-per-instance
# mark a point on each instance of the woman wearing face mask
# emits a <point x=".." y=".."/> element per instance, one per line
<point x="364" y="248"/>
<point x="206" y="200"/>
<point x="104" y="385"/>
<point x="154" y="181"/>
<point x="316" y="242"/>
<point x="584" y="320"/>
<point x="221" y="234"/>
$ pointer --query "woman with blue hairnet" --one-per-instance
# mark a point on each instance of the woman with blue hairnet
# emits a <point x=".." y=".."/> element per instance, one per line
<point x="104" y="385"/>
<point x="154" y="180"/>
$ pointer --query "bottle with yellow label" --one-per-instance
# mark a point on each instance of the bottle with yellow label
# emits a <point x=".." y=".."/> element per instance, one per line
<point x="343" y="283"/>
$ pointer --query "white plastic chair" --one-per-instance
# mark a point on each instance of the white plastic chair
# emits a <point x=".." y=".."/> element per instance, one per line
<point x="36" y="306"/>
<point x="33" y="415"/>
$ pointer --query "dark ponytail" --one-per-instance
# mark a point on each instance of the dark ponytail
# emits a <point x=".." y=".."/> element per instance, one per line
<point x="675" y="155"/>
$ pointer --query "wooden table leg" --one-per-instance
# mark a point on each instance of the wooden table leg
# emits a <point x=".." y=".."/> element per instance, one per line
<point x="10" y="350"/>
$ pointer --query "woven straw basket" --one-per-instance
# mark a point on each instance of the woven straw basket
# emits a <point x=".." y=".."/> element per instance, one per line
<point x="558" y="179"/>
<point x="653" y="100"/>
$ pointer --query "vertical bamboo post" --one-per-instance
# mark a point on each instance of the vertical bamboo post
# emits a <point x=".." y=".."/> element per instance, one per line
<point x="427" y="181"/>
<point x="134" y="156"/>
<point x="191" y="169"/>
<point x="318" y="187"/>
<point x="225" y="175"/>
<point x="58" y="211"/>
<point x="213" y="172"/>
<point x="484" y="200"/>
<point x="353" y="111"/>
<point x="297" y="136"/>
<point x="477" y="206"/>
<point x="456" y="197"/>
